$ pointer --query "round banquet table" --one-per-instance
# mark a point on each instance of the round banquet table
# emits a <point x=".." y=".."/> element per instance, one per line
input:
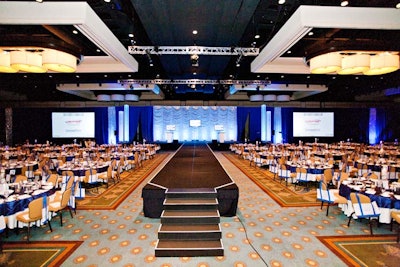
<point x="385" y="202"/>
<point x="11" y="206"/>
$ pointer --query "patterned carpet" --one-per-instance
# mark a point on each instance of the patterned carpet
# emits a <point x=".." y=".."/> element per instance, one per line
<point x="365" y="250"/>
<point x="263" y="233"/>
<point x="286" y="196"/>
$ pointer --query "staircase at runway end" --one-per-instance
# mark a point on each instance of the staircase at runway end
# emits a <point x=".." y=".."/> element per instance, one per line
<point x="190" y="224"/>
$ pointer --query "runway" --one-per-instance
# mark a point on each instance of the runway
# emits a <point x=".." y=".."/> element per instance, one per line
<point x="193" y="166"/>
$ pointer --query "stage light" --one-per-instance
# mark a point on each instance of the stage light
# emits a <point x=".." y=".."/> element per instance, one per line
<point x="194" y="60"/>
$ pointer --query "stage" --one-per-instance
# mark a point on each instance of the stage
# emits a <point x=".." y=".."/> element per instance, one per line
<point x="193" y="166"/>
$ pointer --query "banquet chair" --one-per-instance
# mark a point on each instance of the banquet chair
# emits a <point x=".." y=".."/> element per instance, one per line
<point x="301" y="177"/>
<point x="60" y="203"/>
<point x="24" y="170"/>
<point x="34" y="213"/>
<point x="329" y="196"/>
<point x="328" y="177"/>
<point x="124" y="164"/>
<point x="395" y="215"/>
<point x="392" y="173"/>
<point x="90" y="180"/>
<point x="285" y="174"/>
<point x="29" y="173"/>
<point x="137" y="159"/>
<point x="363" y="170"/>
<point x="20" y="178"/>
<point x="53" y="179"/>
<point x="364" y="208"/>
<point x="68" y="179"/>
<point x="341" y="177"/>
<point x="116" y="172"/>
<point x="106" y="176"/>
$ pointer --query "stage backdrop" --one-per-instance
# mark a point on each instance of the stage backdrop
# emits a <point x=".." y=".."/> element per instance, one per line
<point x="200" y="123"/>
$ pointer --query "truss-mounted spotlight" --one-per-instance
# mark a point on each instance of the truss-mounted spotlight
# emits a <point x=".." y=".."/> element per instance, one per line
<point x="194" y="59"/>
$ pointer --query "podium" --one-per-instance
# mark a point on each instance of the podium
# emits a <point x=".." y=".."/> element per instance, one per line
<point x="221" y="137"/>
<point x="169" y="136"/>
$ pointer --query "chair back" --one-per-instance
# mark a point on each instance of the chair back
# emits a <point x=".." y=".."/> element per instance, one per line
<point x="328" y="176"/>
<point x="109" y="172"/>
<point x="35" y="209"/>
<point x="65" y="198"/>
<point x="90" y="176"/>
<point x="363" y="207"/>
<point x="323" y="193"/>
<point x="70" y="178"/>
<point x="20" y="178"/>
<point x="373" y="176"/>
<point x="301" y="174"/>
<point x="53" y="179"/>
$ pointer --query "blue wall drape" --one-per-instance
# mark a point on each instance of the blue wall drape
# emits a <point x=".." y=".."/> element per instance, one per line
<point x="387" y="124"/>
<point x="141" y="124"/>
<point x="254" y="114"/>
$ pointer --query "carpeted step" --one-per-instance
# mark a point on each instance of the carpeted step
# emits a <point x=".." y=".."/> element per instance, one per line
<point x="189" y="232"/>
<point x="191" y="193"/>
<point x="190" y="216"/>
<point x="190" y="204"/>
<point x="188" y="248"/>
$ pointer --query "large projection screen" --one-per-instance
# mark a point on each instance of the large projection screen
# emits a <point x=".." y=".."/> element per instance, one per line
<point x="72" y="124"/>
<point x="313" y="124"/>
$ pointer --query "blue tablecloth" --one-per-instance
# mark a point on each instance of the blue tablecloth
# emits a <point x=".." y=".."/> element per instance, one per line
<point x="383" y="202"/>
<point x="12" y="207"/>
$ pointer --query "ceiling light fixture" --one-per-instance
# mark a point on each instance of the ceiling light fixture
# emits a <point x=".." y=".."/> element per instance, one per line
<point x="5" y="63"/>
<point x="383" y="63"/>
<point x="270" y="98"/>
<point x="353" y="62"/>
<point x="36" y="60"/>
<point x="195" y="32"/>
<point x="344" y="3"/>
<point x="27" y="61"/>
<point x="58" y="61"/>
<point x="326" y="63"/>
<point x="398" y="5"/>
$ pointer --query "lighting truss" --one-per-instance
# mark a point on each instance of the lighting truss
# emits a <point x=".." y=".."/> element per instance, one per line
<point x="193" y="81"/>
<point x="190" y="50"/>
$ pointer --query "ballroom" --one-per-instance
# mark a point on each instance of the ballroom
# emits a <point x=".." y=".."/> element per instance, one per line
<point x="199" y="133"/>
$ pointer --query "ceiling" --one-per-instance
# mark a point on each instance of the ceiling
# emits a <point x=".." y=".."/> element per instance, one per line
<point x="223" y="24"/>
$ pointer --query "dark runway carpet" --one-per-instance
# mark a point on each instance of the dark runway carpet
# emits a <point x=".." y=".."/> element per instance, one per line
<point x="193" y="166"/>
